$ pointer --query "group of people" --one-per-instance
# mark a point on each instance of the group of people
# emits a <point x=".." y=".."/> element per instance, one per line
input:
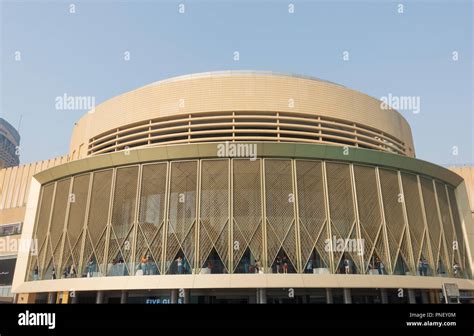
<point x="281" y="264"/>
<point x="180" y="266"/>
<point x="146" y="266"/>
<point x="423" y="267"/>
<point x="91" y="268"/>
<point x="118" y="268"/>
<point x="70" y="271"/>
<point x="247" y="267"/>
<point x="212" y="266"/>
<point x="378" y="265"/>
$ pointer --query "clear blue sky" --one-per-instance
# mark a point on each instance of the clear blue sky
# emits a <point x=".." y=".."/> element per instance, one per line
<point x="82" y="54"/>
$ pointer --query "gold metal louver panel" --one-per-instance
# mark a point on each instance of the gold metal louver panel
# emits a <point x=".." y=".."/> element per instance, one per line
<point x="461" y="252"/>
<point x="448" y="227"/>
<point x="341" y="207"/>
<point x="75" y="221"/>
<point x="97" y="219"/>
<point x="214" y="211"/>
<point x="272" y="126"/>
<point x="50" y="264"/>
<point x="182" y="212"/>
<point x="41" y="229"/>
<point x="230" y="211"/>
<point x="393" y="210"/>
<point x="432" y="220"/>
<point x="123" y="212"/>
<point x="247" y="209"/>
<point x="311" y="209"/>
<point x="151" y="216"/>
<point x="413" y="205"/>
<point x="280" y="215"/>
<point x="370" y="216"/>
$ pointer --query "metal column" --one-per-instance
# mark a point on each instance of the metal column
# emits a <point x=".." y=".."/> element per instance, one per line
<point x="261" y="295"/>
<point x="384" y="295"/>
<point x="52" y="297"/>
<point x="347" y="295"/>
<point x="100" y="297"/>
<point x="174" y="296"/>
<point x="424" y="297"/>
<point x="329" y="298"/>
<point x="123" y="297"/>
<point x="411" y="296"/>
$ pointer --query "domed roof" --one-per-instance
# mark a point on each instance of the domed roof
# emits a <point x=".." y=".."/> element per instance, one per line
<point x="237" y="73"/>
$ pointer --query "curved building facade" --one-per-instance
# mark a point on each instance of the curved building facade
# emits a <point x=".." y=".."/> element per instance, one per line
<point x="241" y="106"/>
<point x="235" y="185"/>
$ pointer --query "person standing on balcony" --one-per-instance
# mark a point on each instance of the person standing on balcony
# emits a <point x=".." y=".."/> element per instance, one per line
<point x="143" y="263"/>
<point x="179" y="265"/>
<point x="246" y="265"/>
<point x="425" y="267"/>
<point x="36" y="273"/>
<point x="456" y="270"/>
<point x="347" y="266"/>
<point x="380" y="267"/>
<point x="90" y="268"/>
<point x="284" y="262"/>
<point x="257" y="266"/>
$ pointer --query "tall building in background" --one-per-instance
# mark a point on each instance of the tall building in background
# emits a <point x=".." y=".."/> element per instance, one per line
<point x="241" y="186"/>
<point x="9" y="143"/>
